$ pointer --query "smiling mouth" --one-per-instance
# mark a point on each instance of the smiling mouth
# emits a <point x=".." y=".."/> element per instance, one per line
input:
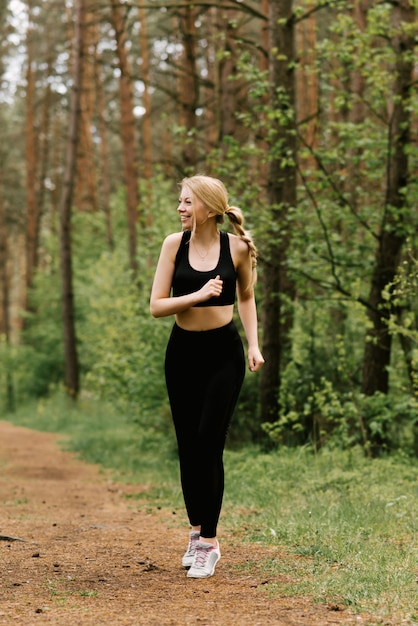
<point x="183" y="221"/>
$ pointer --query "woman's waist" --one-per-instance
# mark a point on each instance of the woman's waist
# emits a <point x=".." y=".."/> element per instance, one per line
<point x="207" y="318"/>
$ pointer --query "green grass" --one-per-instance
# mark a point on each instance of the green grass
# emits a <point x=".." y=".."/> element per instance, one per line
<point x="344" y="525"/>
<point x="351" y="523"/>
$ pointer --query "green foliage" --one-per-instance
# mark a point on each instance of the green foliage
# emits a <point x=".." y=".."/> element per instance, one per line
<point x="402" y="304"/>
<point x="342" y="212"/>
<point x="321" y="404"/>
<point x="343" y="190"/>
<point x="123" y="345"/>
<point x="40" y="358"/>
<point x="8" y="365"/>
<point x="245" y="425"/>
<point x="331" y="418"/>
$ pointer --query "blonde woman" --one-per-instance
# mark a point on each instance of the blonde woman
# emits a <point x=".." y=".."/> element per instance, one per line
<point x="200" y="272"/>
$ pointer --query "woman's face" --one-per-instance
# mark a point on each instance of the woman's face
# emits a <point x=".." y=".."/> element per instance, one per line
<point x="191" y="210"/>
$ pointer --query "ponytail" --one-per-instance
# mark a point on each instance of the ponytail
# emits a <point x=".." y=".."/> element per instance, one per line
<point x="236" y="218"/>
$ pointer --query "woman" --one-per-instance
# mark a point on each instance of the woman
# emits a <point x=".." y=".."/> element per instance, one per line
<point x="204" y="267"/>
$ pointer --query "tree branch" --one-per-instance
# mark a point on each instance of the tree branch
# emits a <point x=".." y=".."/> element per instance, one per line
<point x="343" y="201"/>
<point x="229" y="4"/>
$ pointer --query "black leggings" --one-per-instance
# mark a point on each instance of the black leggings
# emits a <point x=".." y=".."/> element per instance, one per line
<point x="204" y="374"/>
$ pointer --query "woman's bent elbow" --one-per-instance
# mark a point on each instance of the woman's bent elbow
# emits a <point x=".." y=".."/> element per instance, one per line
<point x="154" y="311"/>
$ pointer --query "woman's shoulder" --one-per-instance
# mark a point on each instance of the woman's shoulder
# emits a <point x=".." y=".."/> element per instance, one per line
<point x="173" y="240"/>
<point x="171" y="245"/>
<point x="238" y="245"/>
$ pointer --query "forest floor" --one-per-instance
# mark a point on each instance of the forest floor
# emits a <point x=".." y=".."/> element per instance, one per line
<point x="75" y="550"/>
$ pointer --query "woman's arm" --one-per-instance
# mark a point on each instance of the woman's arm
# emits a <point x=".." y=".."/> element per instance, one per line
<point x="248" y="314"/>
<point x="161" y="303"/>
<point x="246" y="305"/>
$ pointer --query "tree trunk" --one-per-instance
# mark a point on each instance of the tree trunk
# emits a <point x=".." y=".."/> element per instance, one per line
<point x="392" y="236"/>
<point x="146" y="118"/>
<point x="211" y="88"/>
<point x="188" y="87"/>
<point x="146" y="96"/>
<point x="70" y="346"/>
<point x="44" y="147"/>
<point x="86" y="192"/>
<point x="104" y="148"/>
<point x="128" y="130"/>
<point x="357" y="114"/>
<point x="227" y="77"/>
<point x="281" y="192"/>
<point x="307" y="82"/>
<point x="32" y="210"/>
<point x="4" y="299"/>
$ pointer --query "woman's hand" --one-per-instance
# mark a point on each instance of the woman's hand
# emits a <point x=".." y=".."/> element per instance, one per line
<point x="212" y="289"/>
<point x="255" y="359"/>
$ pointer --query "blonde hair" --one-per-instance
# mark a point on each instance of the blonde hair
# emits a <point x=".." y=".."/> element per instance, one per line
<point x="213" y="194"/>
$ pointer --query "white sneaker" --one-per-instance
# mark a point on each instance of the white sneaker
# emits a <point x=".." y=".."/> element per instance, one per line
<point x="206" y="557"/>
<point x="188" y="556"/>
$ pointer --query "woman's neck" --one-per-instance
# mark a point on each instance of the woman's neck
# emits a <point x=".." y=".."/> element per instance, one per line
<point x="207" y="236"/>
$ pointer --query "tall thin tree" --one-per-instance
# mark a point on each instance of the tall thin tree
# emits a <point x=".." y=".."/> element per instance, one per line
<point x="5" y="333"/>
<point x="188" y="85"/>
<point x="146" y="96"/>
<point x="281" y="194"/>
<point x="72" y="382"/>
<point x="393" y="234"/>
<point x="32" y="209"/>
<point x="104" y="144"/>
<point x="128" y="128"/>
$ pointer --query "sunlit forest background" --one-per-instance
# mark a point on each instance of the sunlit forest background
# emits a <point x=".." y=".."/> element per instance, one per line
<point x="307" y="110"/>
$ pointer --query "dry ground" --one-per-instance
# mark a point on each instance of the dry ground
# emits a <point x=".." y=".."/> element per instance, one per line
<point x="92" y="557"/>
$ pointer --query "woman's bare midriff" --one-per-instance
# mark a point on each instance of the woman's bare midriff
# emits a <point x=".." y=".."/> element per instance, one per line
<point x="205" y="318"/>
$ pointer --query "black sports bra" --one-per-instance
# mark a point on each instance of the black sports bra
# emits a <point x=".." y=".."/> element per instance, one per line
<point x="188" y="280"/>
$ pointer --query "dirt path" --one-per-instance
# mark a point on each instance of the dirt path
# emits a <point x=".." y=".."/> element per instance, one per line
<point x="90" y="557"/>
